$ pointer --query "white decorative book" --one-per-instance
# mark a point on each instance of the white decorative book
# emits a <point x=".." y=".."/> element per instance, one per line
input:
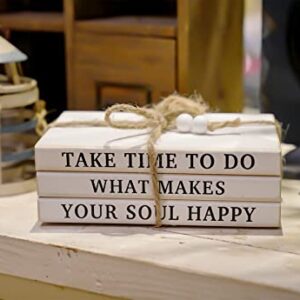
<point x="171" y="186"/>
<point x="174" y="212"/>
<point x="243" y="150"/>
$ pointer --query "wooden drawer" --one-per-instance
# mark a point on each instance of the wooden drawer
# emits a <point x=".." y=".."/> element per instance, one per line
<point x="110" y="93"/>
<point x="128" y="64"/>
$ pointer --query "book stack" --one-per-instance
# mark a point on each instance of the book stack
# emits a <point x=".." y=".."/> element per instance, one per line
<point x="230" y="177"/>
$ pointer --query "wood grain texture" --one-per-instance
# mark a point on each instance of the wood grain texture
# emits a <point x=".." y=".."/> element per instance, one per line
<point x="14" y="288"/>
<point x="148" y="62"/>
<point x="148" y="263"/>
<point x="210" y="56"/>
<point x="33" y="21"/>
<point x="69" y="16"/>
<point x="109" y="95"/>
<point x="131" y="25"/>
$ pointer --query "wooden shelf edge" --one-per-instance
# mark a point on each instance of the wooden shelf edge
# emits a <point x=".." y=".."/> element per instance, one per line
<point x="33" y="21"/>
<point x="164" y="27"/>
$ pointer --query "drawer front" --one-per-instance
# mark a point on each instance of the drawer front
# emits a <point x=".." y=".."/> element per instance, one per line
<point x="111" y="93"/>
<point x="135" y="69"/>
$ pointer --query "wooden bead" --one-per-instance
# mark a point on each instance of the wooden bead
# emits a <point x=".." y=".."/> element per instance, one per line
<point x="184" y="123"/>
<point x="199" y="124"/>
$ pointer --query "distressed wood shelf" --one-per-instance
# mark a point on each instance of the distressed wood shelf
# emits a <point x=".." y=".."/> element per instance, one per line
<point x="33" y="21"/>
<point x="149" y="263"/>
<point x="131" y="25"/>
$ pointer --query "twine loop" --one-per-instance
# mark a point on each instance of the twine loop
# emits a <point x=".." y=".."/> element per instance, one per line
<point x="162" y="115"/>
<point x="159" y="118"/>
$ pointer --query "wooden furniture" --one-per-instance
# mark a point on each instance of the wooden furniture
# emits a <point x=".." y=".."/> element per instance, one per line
<point x="124" y="50"/>
<point x="37" y="28"/>
<point x="76" y="262"/>
<point x="17" y="124"/>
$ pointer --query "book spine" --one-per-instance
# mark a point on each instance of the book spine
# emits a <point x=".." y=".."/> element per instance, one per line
<point x="138" y="186"/>
<point x="136" y="161"/>
<point x="142" y="212"/>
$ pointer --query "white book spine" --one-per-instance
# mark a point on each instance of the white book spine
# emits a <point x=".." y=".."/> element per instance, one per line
<point x="174" y="212"/>
<point x="136" y="161"/>
<point x="138" y="186"/>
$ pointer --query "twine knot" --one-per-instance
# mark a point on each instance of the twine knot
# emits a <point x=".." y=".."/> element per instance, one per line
<point x="159" y="118"/>
<point x="162" y="115"/>
<point x="40" y="115"/>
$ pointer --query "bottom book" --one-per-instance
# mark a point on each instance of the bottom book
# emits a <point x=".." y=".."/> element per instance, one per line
<point x="173" y="212"/>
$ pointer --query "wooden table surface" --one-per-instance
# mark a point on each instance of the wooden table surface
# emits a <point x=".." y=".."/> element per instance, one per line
<point x="149" y="263"/>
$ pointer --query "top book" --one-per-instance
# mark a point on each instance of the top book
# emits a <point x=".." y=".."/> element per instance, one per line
<point x="243" y="150"/>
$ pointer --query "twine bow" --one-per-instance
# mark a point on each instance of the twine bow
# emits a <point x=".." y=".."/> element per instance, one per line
<point x="159" y="118"/>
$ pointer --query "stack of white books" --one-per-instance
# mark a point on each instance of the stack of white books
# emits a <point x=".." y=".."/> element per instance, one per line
<point x="230" y="177"/>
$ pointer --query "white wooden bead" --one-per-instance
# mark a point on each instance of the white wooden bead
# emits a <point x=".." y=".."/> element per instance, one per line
<point x="200" y="124"/>
<point x="184" y="123"/>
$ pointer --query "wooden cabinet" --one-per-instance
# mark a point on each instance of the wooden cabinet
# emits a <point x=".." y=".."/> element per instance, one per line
<point x="124" y="63"/>
<point x="139" y="51"/>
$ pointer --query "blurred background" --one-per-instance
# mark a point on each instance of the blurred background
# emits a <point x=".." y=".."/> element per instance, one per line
<point x="88" y="54"/>
<point x="240" y="55"/>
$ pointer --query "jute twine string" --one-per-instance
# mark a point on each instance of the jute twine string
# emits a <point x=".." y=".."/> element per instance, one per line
<point x="40" y="115"/>
<point x="160" y="118"/>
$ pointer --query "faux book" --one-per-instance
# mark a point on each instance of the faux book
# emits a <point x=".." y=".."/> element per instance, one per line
<point x="174" y="212"/>
<point x="243" y="150"/>
<point x="171" y="186"/>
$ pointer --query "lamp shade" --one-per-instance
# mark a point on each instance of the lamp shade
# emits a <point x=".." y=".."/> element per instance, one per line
<point x="9" y="53"/>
